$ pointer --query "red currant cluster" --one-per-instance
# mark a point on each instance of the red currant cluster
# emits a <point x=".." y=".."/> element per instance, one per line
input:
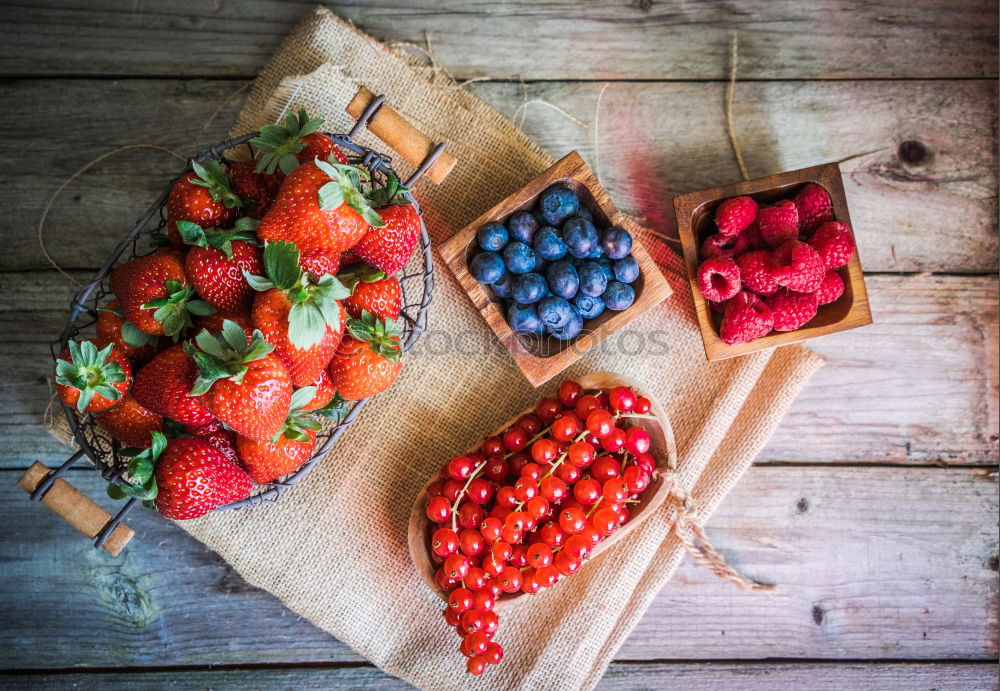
<point x="526" y="509"/>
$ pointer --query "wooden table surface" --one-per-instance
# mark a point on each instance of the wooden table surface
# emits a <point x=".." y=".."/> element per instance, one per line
<point x="875" y="503"/>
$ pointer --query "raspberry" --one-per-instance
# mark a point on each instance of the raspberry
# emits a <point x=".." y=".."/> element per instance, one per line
<point x="831" y="288"/>
<point x="719" y="245"/>
<point x="719" y="279"/>
<point x="755" y="272"/>
<point x="733" y="215"/>
<point x="814" y="207"/>
<point x="835" y="243"/>
<point x="798" y="267"/>
<point x="779" y="223"/>
<point x="792" y="310"/>
<point x="753" y="235"/>
<point x="747" y="318"/>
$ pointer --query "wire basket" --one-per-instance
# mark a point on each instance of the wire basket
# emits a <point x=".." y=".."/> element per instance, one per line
<point x="416" y="282"/>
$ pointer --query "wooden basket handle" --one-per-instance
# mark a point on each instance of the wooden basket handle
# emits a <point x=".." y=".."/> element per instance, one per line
<point x="76" y="508"/>
<point x="409" y="142"/>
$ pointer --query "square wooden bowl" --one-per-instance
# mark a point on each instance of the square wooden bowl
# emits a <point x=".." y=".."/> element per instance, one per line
<point x="541" y="358"/>
<point x="695" y="213"/>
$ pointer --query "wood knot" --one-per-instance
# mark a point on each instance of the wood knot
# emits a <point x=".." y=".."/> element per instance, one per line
<point x="818" y="614"/>
<point x="643" y="5"/>
<point x="912" y="152"/>
<point x="802" y="505"/>
<point x="993" y="563"/>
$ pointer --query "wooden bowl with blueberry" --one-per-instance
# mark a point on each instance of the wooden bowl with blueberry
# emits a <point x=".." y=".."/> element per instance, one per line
<point x="555" y="269"/>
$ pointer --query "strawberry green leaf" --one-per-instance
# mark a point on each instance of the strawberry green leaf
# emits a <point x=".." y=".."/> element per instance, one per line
<point x="335" y="410"/>
<point x="306" y="325"/>
<point x="331" y="196"/>
<point x="200" y="307"/>
<point x="288" y="163"/>
<point x="90" y="371"/>
<point x="211" y="177"/>
<point x="258" y="283"/>
<point x="301" y="397"/>
<point x="115" y="492"/>
<point x="135" y="338"/>
<point x="210" y="344"/>
<point x="108" y="392"/>
<point x="159" y="445"/>
<point x="234" y="334"/>
<point x="86" y="396"/>
<point x="192" y="233"/>
<point x="281" y="261"/>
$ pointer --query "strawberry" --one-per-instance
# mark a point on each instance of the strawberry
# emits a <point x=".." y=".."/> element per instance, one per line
<point x="194" y="478"/>
<point x="130" y="423"/>
<point x="162" y="386"/>
<point x="205" y="197"/>
<point x="213" y="322"/>
<point x="284" y="148"/>
<point x="240" y="381"/>
<point x="217" y="261"/>
<point x="324" y="392"/>
<point x="299" y="316"/>
<point x="155" y="295"/>
<point x="92" y="380"/>
<point x="257" y="190"/>
<point x="320" y="207"/>
<point x="368" y="359"/>
<point x="112" y="327"/>
<point x="389" y="246"/>
<point x="216" y="434"/>
<point x="266" y="461"/>
<point x="319" y="263"/>
<point x="372" y="291"/>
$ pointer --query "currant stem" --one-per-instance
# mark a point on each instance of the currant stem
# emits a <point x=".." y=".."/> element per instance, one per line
<point x="555" y="465"/>
<point x="594" y="507"/>
<point x="529" y="442"/>
<point x="458" y="500"/>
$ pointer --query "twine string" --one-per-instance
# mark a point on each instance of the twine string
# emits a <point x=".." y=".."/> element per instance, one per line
<point x="730" y="126"/>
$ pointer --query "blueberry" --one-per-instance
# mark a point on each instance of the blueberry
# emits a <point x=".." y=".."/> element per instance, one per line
<point x="492" y="237"/>
<point x="618" y="296"/>
<point x="523" y="319"/>
<point x="541" y="265"/>
<point x="528" y="288"/>
<point x="549" y="243"/>
<point x="487" y="267"/>
<point x="589" y="307"/>
<point x="555" y="312"/>
<point x="519" y="257"/>
<point x="626" y="269"/>
<point x="571" y="329"/>
<point x="580" y="236"/>
<point x="563" y="279"/>
<point x="596" y="252"/>
<point x="557" y="203"/>
<point x="616" y="242"/>
<point x="501" y="287"/>
<point x="605" y="265"/>
<point x="522" y="226"/>
<point x="593" y="280"/>
<point x="584" y="212"/>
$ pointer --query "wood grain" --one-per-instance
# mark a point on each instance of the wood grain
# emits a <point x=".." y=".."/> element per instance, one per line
<point x="872" y="563"/>
<point x="694" y="213"/>
<point x="556" y="39"/>
<point x="935" y="215"/>
<point x="917" y="386"/>
<point x="542" y="358"/>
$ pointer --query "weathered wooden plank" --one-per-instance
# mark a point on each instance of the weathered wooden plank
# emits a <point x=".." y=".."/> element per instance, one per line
<point x="656" y="140"/>
<point x="919" y="385"/>
<point x="561" y="39"/>
<point x="872" y="563"/>
<point x="716" y="676"/>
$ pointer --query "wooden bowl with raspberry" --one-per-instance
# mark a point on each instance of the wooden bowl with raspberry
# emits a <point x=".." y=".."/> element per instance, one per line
<point x="772" y="261"/>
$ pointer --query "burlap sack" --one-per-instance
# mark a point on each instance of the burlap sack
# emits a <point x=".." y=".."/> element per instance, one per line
<point x="334" y="548"/>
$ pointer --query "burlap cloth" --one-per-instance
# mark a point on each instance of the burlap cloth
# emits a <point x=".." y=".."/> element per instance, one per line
<point x="334" y="548"/>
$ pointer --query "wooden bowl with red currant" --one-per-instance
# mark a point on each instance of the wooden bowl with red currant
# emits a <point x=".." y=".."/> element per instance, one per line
<point x="556" y="485"/>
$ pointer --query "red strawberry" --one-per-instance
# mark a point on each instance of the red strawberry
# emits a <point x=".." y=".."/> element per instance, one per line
<point x="204" y="196"/>
<point x="320" y="207"/>
<point x="162" y="385"/>
<point x="241" y="382"/>
<point x="320" y="263"/>
<point x="130" y="423"/>
<point x="257" y="190"/>
<point x="113" y="328"/>
<point x="218" y="261"/>
<point x="373" y="291"/>
<point x="299" y="316"/>
<point x="324" y="392"/>
<point x="299" y="141"/>
<point x="368" y="359"/>
<point x="389" y="247"/>
<point x="213" y="322"/>
<point x="266" y="461"/>
<point x="216" y="434"/>
<point x="155" y="295"/>
<point x="92" y="380"/>
<point x="194" y="478"/>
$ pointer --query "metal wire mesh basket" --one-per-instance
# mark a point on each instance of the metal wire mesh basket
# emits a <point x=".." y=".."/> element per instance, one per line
<point x="416" y="281"/>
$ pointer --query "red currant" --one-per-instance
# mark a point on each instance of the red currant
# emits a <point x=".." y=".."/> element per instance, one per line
<point x="434" y="489"/>
<point x="571" y="519"/>
<point x="566" y="565"/>
<point x="590" y="535"/>
<point x="604" y="468"/>
<point x="544" y="451"/>
<point x="470" y="515"/>
<point x="525" y="488"/>
<point x="547" y="576"/>
<point x="510" y="581"/>
<point x="552" y="488"/>
<point x="539" y="555"/>
<point x="602" y="399"/>
<point x="614" y="441"/>
<point x="532" y="471"/>
<point x="471" y="542"/>
<point x="599" y="423"/>
<point x="472" y="620"/>
<point x="460" y="467"/>
<point x="460" y="599"/>
<point x="490" y="529"/>
<point x="518" y="520"/>
<point x="506" y="497"/>
<point x="636" y="440"/>
<point x="565" y="428"/>
<point x="622" y="399"/>
<point x="443" y="580"/>
<point x="642" y="406"/>
<point x="496" y="468"/>
<point x="517" y="463"/>
<point x="478" y="642"/>
<point x="576" y="547"/>
<point x="491" y="566"/>
<point x="479" y="491"/>
<point x="501" y="551"/>
<point x="547" y="409"/>
<point x="568" y="473"/>
<point x="552" y="534"/>
<point x="614" y="491"/>
<point x="517" y="558"/>
<point x="476" y="665"/>
<point x="476" y="579"/>
<point x="537" y="507"/>
<point x="451" y="490"/>
<point x="515" y="439"/>
<point x="585" y="404"/>
<point x="490" y="623"/>
<point x="444" y="542"/>
<point x="636" y="479"/>
<point x="494" y="653"/>
<point x="456" y="566"/>
<point x="646" y="462"/>
<point x="511" y="535"/>
<point x="580" y="454"/>
<point x="483" y="599"/>
<point x="569" y="391"/>
<point x="529" y="583"/>
<point x="438" y="509"/>
<point x="604" y="521"/>
<point x="452" y="617"/>
<point x="530" y="424"/>
<point x="500" y="513"/>
<point x="587" y="491"/>
<point x="622" y="516"/>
